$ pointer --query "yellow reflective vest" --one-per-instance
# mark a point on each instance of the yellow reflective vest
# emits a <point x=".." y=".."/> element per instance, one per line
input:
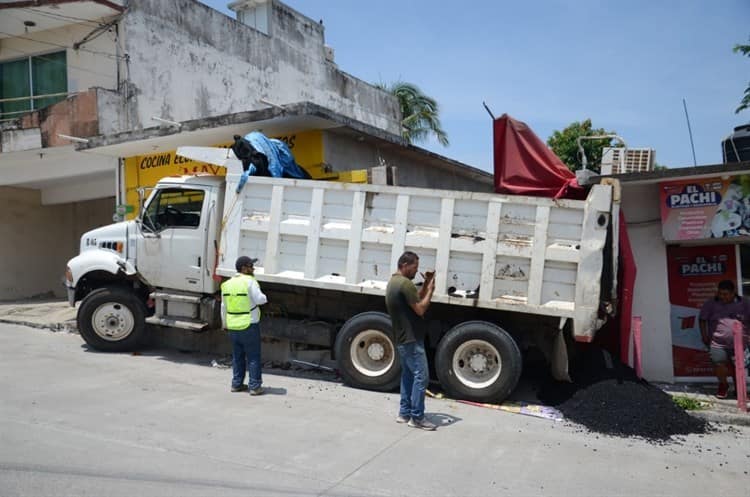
<point x="237" y="302"/>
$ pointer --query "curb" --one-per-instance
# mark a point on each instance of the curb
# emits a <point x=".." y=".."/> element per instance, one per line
<point x="64" y="326"/>
<point x="738" y="418"/>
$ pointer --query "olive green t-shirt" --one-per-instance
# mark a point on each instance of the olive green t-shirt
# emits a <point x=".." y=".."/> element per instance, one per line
<point x="399" y="295"/>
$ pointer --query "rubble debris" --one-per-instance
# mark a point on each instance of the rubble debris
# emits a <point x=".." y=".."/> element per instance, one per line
<point x="613" y="401"/>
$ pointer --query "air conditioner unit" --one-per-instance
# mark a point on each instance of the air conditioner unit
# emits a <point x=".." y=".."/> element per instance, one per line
<point x="618" y="160"/>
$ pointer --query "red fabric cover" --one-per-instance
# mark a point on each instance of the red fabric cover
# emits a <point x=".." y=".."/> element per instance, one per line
<point x="625" y="290"/>
<point x="524" y="165"/>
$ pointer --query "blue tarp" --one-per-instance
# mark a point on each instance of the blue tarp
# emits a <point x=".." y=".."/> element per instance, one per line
<point x="281" y="163"/>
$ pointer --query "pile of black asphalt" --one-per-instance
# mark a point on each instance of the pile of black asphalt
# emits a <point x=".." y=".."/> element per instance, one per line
<point x="607" y="397"/>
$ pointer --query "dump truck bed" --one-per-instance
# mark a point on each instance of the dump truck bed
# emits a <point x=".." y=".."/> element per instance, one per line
<point x="512" y="253"/>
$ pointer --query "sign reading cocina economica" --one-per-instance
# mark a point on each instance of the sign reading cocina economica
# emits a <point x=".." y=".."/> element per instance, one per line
<point x="694" y="273"/>
<point x="705" y="208"/>
<point x="147" y="170"/>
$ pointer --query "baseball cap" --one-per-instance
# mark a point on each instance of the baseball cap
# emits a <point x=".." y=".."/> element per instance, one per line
<point x="243" y="261"/>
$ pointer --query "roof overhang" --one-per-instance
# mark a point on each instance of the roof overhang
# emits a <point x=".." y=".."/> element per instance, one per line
<point x="22" y="18"/>
<point x="272" y="121"/>
<point x="60" y="174"/>
<point x="679" y="173"/>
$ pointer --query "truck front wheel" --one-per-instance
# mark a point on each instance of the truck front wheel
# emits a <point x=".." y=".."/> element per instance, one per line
<point x="478" y="361"/>
<point x="366" y="353"/>
<point x="112" y="320"/>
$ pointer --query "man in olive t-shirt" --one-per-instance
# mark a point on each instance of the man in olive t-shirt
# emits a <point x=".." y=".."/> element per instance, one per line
<point x="406" y="307"/>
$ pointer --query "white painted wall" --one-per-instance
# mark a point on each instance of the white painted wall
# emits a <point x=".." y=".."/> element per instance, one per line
<point x="640" y="203"/>
<point x="189" y="61"/>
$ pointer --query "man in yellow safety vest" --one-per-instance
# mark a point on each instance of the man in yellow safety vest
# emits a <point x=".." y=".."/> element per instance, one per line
<point x="240" y="300"/>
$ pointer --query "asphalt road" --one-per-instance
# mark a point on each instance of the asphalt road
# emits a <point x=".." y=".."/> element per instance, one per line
<point x="77" y="422"/>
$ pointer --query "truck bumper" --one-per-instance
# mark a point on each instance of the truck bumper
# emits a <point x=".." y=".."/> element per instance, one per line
<point x="71" y="296"/>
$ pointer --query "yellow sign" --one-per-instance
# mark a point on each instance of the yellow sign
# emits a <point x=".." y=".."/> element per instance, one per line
<point x="144" y="171"/>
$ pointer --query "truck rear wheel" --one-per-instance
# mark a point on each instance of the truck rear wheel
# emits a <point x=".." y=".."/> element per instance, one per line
<point x="112" y="320"/>
<point x="366" y="353"/>
<point x="478" y="361"/>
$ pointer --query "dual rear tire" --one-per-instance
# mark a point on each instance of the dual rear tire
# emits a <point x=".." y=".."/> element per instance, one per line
<point x="475" y="360"/>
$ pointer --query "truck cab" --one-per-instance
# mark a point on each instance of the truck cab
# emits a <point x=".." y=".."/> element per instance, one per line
<point x="157" y="268"/>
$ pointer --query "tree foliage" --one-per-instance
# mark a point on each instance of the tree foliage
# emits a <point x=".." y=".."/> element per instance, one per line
<point x="420" y="114"/>
<point x="745" y="102"/>
<point x="564" y="144"/>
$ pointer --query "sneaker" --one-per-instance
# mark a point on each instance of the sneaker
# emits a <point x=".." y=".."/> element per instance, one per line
<point x="722" y="391"/>
<point x="240" y="388"/>
<point x="402" y="419"/>
<point x="256" y="391"/>
<point x="422" y="424"/>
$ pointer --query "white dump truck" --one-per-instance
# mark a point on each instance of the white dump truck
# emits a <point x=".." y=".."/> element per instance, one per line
<point x="513" y="273"/>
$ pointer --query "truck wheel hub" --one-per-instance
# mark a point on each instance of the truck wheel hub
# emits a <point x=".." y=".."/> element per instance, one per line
<point x="113" y="321"/>
<point x="478" y="362"/>
<point x="372" y="353"/>
<point x="376" y="351"/>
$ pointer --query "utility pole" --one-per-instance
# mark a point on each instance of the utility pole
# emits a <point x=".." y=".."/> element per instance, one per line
<point x="690" y="131"/>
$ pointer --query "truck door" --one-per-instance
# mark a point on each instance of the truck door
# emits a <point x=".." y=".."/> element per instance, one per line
<point x="171" y="244"/>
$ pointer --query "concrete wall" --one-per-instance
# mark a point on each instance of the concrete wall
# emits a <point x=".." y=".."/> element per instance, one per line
<point x="344" y="152"/>
<point x="37" y="241"/>
<point x="651" y="295"/>
<point x="189" y="61"/>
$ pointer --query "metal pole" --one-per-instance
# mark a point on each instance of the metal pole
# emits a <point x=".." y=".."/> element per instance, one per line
<point x="739" y="366"/>
<point x="690" y="131"/>
<point x="637" y="362"/>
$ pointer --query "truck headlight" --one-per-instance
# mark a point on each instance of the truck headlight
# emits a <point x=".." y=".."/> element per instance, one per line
<point x="68" y="275"/>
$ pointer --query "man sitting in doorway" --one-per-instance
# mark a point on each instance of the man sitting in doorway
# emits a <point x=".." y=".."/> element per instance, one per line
<point x="716" y="319"/>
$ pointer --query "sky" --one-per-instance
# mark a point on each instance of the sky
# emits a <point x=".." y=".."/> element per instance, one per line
<point x="625" y="65"/>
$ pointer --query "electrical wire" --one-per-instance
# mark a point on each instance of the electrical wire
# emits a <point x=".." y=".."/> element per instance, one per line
<point x="95" y="52"/>
<point x="62" y="17"/>
<point x="42" y="57"/>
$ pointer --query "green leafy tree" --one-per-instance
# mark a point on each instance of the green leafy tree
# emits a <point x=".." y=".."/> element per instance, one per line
<point x="420" y="114"/>
<point x="745" y="102"/>
<point x="564" y="144"/>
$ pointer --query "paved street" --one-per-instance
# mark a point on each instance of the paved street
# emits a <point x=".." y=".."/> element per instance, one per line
<point x="76" y="422"/>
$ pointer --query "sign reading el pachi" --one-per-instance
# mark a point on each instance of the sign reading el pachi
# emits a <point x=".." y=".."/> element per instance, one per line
<point x="693" y="274"/>
<point x="706" y="208"/>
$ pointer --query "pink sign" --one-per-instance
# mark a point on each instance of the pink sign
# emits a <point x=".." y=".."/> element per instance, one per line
<point x="705" y="208"/>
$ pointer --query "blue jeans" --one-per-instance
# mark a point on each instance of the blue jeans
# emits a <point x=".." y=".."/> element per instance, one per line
<point x="415" y="377"/>
<point x="246" y="356"/>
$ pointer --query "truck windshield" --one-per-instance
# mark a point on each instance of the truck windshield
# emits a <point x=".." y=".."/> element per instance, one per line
<point x="174" y="208"/>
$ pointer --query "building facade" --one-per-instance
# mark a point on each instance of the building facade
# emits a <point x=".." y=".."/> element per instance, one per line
<point x="77" y="74"/>
<point x="689" y="228"/>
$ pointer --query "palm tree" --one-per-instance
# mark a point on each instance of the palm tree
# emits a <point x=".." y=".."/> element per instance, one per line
<point x="419" y="113"/>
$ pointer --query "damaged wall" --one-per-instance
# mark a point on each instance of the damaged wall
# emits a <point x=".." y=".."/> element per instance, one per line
<point x="651" y="301"/>
<point x="39" y="240"/>
<point x="189" y="61"/>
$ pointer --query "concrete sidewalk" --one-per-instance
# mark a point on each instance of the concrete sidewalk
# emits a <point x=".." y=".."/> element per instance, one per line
<point x="57" y="315"/>
<point x="47" y="314"/>
<point x="716" y="410"/>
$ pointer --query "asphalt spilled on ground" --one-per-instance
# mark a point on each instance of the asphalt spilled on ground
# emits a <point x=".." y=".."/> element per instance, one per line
<point x="607" y="397"/>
